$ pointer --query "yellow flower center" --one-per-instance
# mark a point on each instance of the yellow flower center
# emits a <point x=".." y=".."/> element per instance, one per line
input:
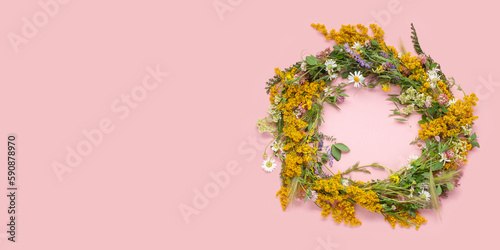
<point x="356" y="79"/>
<point x="269" y="164"/>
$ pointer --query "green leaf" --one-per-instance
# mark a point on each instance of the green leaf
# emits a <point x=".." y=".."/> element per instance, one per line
<point x="280" y="126"/>
<point x="311" y="60"/>
<point x="335" y="153"/>
<point x="324" y="158"/>
<point x="401" y="119"/>
<point x="437" y="166"/>
<point x="444" y="148"/>
<point x="433" y="65"/>
<point x="475" y="144"/>
<point x="342" y="147"/>
<point x="412" y="213"/>
<point x="438" y="190"/>
<point x="417" y="162"/>
<point x="345" y="95"/>
<point x="449" y="186"/>
<point x="473" y="136"/>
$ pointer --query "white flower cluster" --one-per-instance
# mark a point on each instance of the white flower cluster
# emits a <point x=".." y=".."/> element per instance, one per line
<point x="408" y="110"/>
<point x="467" y="130"/>
<point x="412" y="95"/>
<point x="411" y="159"/>
<point x="264" y="126"/>
<point x="459" y="146"/>
<point x="273" y="110"/>
<point x="330" y="66"/>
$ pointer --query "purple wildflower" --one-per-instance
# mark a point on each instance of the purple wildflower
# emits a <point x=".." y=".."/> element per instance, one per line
<point x="356" y="56"/>
<point x="388" y="65"/>
<point x="316" y="169"/>
<point x="340" y="99"/>
<point x="330" y="156"/>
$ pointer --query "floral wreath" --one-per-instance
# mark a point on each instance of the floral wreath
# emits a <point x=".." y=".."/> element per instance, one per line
<point x="298" y="93"/>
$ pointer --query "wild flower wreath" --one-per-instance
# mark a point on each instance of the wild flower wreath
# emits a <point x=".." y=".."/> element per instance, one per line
<point x="297" y="96"/>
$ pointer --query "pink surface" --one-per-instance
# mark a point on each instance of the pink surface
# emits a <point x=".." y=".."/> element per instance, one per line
<point x="159" y="100"/>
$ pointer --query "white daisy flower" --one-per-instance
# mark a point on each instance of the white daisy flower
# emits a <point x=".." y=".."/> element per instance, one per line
<point x="444" y="159"/>
<point x="328" y="90"/>
<point x="433" y="75"/>
<point x="332" y="76"/>
<point x="344" y="182"/>
<point x="451" y="102"/>
<point x="276" y="146"/>
<point x="330" y="65"/>
<point x="408" y="166"/>
<point x="356" y="46"/>
<point x="412" y="158"/>
<point x="269" y="165"/>
<point x="313" y="196"/>
<point x="297" y="113"/>
<point x="425" y="194"/>
<point x="356" y="78"/>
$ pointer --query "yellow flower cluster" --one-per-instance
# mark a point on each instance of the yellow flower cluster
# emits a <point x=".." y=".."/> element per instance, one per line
<point x="299" y="151"/>
<point x="394" y="179"/>
<point x="444" y="89"/>
<point x="283" y="193"/>
<point x="459" y="114"/>
<point x="405" y="220"/>
<point x="338" y="200"/>
<point x="412" y="63"/>
<point x="351" y="33"/>
<point x="321" y="28"/>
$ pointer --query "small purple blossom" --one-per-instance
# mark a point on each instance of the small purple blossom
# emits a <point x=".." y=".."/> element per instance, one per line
<point x="356" y="56"/>
<point x="388" y="65"/>
<point x="330" y="157"/>
<point x="384" y="55"/>
<point x="340" y="99"/>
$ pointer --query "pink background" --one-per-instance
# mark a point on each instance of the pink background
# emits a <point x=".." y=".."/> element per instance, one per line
<point x="126" y="193"/>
